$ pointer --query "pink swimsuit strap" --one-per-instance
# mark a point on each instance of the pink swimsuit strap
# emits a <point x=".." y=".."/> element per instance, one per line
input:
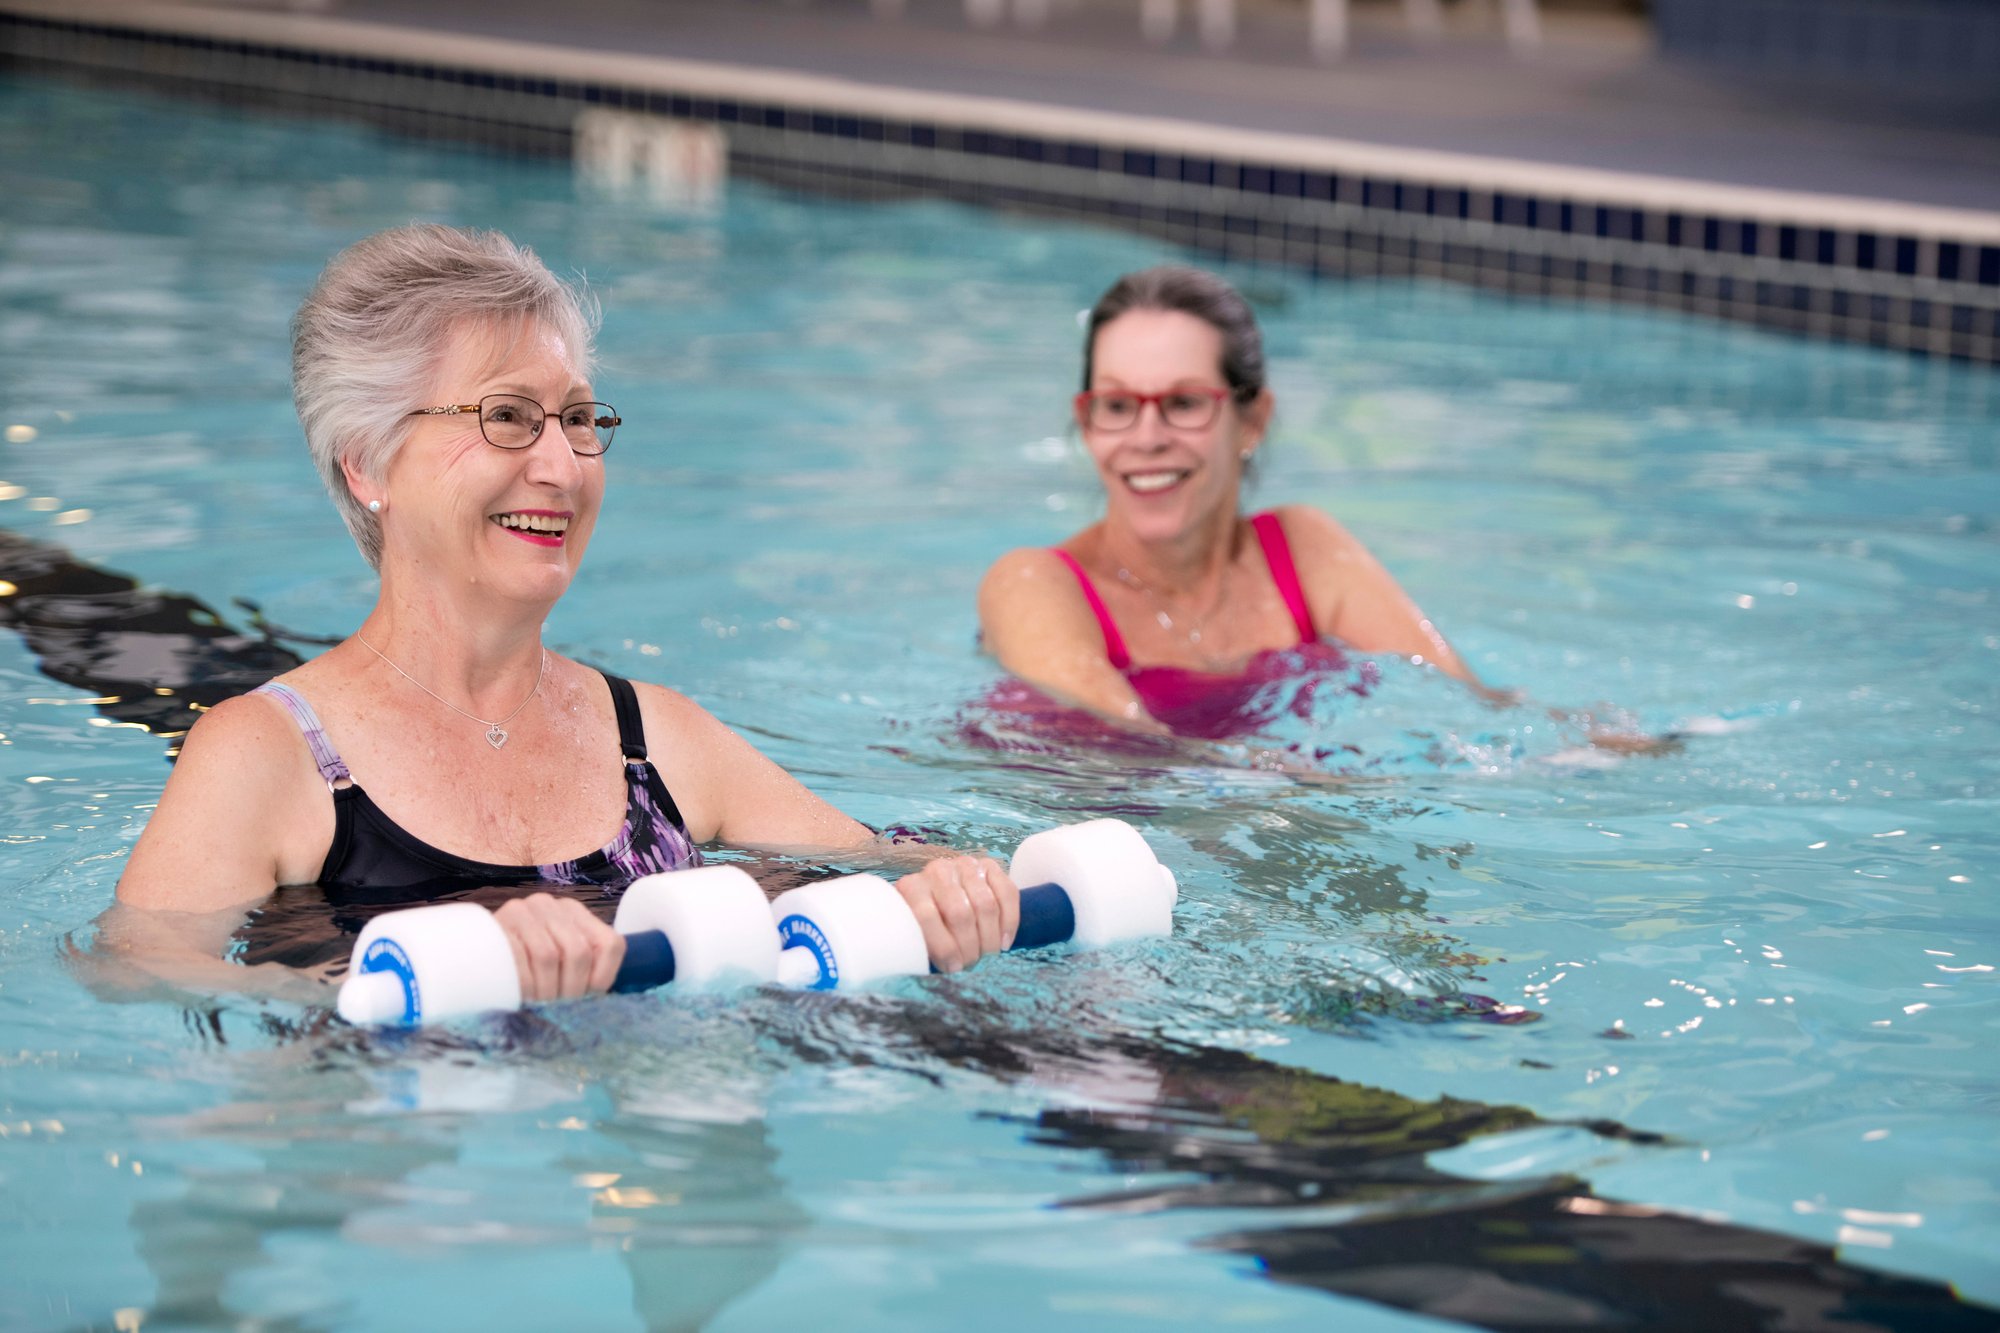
<point x="1114" y="642"/>
<point x="1277" y="554"/>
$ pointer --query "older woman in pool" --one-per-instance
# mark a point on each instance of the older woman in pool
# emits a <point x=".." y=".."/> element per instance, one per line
<point x="443" y="380"/>
<point x="1174" y="596"/>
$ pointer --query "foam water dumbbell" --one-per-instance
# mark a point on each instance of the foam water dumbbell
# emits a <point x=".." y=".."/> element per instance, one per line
<point x="1093" y="883"/>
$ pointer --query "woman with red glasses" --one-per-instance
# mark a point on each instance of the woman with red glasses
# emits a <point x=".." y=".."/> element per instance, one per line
<point x="1170" y="612"/>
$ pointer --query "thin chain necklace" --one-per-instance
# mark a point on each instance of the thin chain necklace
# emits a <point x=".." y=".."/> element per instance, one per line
<point x="1162" y="607"/>
<point x="496" y="732"/>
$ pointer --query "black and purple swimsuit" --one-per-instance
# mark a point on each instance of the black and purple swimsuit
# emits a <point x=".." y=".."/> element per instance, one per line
<point x="374" y="860"/>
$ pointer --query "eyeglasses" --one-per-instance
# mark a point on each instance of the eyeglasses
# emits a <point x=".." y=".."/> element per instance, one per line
<point x="509" y="421"/>
<point x="1119" y="409"/>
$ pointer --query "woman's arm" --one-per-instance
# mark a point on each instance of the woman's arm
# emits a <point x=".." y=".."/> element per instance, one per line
<point x="1356" y="600"/>
<point x="234" y="821"/>
<point x="241" y="813"/>
<point x="1360" y="603"/>
<point x="729" y="792"/>
<point x="1036" y="622"/>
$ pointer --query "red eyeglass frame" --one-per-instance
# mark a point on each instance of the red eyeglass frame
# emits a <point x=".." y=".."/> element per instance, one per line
<point x="1080" y="404"/>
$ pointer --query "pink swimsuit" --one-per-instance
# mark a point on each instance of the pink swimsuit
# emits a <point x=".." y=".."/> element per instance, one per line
<point x="1211" y="705"/>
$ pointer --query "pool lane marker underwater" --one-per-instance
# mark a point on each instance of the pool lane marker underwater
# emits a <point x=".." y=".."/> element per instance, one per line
<point x="176" y="657"/>
<point x="1092" y="884"/>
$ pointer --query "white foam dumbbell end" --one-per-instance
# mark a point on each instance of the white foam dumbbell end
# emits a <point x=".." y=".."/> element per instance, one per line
<point x="857" y="929"/>
<point x="1117" y="887"/>
<point x="716" y="918"/>
<point x="430" y="963"/>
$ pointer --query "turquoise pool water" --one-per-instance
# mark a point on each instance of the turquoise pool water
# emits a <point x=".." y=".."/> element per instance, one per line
<point x="1769" y="957"/>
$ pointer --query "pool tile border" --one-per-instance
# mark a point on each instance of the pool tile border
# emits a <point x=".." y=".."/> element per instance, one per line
<point x="1925" y="280"/>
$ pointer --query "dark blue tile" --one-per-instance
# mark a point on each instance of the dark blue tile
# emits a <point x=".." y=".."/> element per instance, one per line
<point x="1906" y="254"/>
<point x="923" y="136"/>
<point x="1197" y="171"/>
<point x="1749" y="236"/>
<point x="1950" y="256"/>
<point x="1081" y="155"/>
<point x="1866" y="250"/>
<point x="1141" y="164"/>
<point x="1318" y="185"/>
<point x="1989" y="266"/>
<point x="1826" y="246"/>
<point x="1288" y="184"/>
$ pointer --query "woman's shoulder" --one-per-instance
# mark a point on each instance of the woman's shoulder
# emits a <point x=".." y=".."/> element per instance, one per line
<point x="254" y="721"/>
<point x="674" y="722"/>
<point x="1032" y="563"/>
<point x="664" y="698"/>
<point x="250" y="744"/>
<point x="1035" y="579"/>
<point x="1306" y="524"/>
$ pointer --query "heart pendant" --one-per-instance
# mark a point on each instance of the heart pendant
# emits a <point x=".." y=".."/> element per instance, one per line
<point x="496" y="736"/>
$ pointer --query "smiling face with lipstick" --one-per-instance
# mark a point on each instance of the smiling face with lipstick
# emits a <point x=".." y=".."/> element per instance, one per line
<point x="505" y="480"/>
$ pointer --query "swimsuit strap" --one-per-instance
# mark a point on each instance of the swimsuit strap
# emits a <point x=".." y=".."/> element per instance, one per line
<point x="631" y="727"/>
<point x="331" y="767"/>
<point x="1114" y="642"/>
<point x="1278" y="555"/>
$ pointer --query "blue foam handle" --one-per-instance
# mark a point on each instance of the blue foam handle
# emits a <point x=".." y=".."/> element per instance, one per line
<point x="649" y="962"/>
<point x="1047" y="917"/>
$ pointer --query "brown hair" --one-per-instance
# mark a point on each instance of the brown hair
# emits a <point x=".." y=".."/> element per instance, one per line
<point x="1192" y="292"/>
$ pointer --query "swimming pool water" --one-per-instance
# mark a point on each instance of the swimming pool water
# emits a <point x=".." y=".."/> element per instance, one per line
<point x="1770" y="956"/>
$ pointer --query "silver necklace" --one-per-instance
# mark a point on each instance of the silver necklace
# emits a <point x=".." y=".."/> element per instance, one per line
<point x="1160" y="613"/>
<point x="496" y="732"/>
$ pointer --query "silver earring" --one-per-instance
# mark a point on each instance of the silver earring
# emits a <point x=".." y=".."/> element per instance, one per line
<point x="375" y="506"/>
<point x="1244" y="457"/>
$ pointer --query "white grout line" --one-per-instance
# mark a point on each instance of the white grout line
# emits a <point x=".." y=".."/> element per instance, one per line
<point x="1152" y="134"/>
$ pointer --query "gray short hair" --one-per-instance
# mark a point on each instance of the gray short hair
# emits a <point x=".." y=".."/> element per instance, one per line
<point x="368" y="339"/>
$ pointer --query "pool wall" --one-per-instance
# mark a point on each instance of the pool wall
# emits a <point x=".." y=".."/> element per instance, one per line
<point x="1921" y="278"/>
